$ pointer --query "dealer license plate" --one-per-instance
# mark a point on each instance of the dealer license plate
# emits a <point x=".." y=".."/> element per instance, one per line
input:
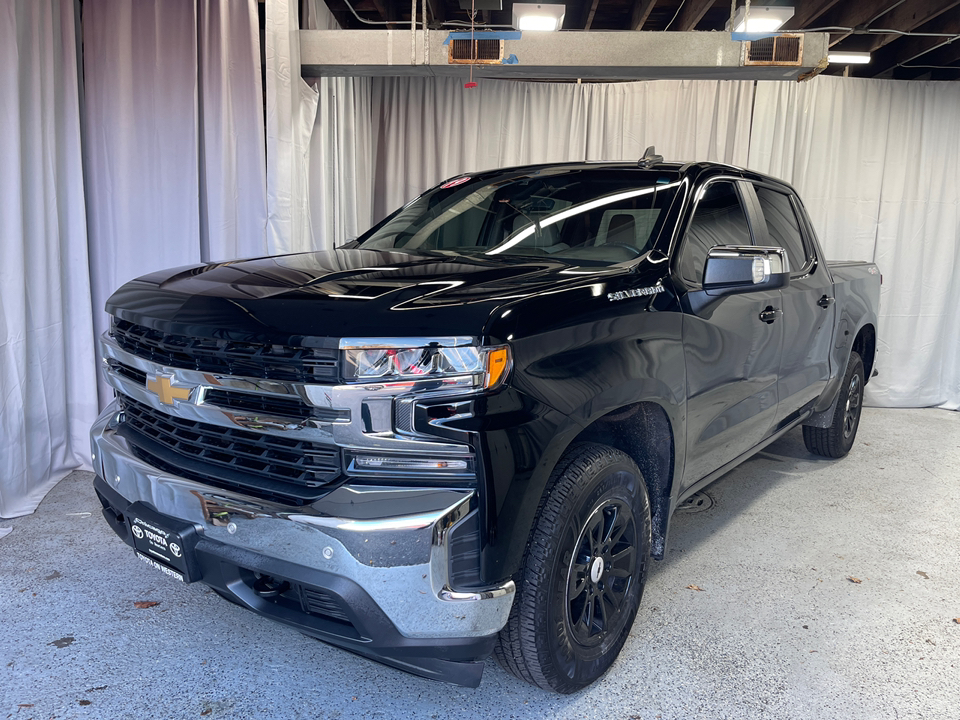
<point x="165" y="544"/>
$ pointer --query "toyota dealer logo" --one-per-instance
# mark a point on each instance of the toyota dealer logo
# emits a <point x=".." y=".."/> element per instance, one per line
<point x="138" y="532"/>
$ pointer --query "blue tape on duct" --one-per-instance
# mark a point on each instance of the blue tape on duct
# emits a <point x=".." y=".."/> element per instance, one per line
<point x="484" y="35"/>
<point x="512" y="60"/>
<point x="746" y="37"/>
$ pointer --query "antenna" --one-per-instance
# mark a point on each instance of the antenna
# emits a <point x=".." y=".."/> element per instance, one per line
<point x="649" y="158"/>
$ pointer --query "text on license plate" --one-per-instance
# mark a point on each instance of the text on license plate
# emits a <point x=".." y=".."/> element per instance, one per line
<point x="162" y="568"/>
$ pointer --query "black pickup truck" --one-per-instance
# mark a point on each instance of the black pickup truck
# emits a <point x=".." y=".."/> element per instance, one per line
<point x="465" y="433"/>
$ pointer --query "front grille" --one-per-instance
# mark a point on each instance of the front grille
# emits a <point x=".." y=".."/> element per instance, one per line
<point x="266" y="465"/>
<point x="273" y="405"/>
<point x="246" y="359"/>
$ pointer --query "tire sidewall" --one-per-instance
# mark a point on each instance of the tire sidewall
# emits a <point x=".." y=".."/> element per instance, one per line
<point x="576" y="665"/>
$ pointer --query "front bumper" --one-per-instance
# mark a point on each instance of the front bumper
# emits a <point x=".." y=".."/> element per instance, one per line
<point x="367" y="567"/>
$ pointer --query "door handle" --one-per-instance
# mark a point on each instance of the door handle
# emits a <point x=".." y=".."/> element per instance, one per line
<point x="769" y="314"/>
<point x="825" y="302"/>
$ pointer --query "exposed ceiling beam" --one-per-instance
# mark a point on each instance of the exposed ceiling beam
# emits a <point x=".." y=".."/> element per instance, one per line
<point x="342" y="14"/>
<point x="918" y="50"/>
<point x="641" y="11"/>
<point x="908" y="16"/>
<point x="806" y="11"/>
<point x="590" y="9"/>
<point x="691" y="12"/>
<point x="852" y="14"/>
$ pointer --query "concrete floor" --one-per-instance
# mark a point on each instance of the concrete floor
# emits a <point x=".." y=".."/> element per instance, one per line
<point x="778" y="631"/>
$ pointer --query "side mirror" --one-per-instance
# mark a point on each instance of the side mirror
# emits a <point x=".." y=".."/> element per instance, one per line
<point x="732" y="269"/>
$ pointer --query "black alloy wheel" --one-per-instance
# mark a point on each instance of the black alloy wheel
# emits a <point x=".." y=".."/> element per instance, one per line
<point x="583" y="572"/>
<point x="851" y="415"/>
<point x="601" y="573"/>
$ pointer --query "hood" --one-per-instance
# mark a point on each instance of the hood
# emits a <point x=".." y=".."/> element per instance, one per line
<point x="341" y="293"/>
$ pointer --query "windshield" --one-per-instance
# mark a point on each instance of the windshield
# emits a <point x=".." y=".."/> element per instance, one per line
<point x="598" y="215"/>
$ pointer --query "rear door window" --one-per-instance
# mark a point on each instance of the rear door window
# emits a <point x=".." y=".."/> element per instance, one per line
<point x="783" y="226"/>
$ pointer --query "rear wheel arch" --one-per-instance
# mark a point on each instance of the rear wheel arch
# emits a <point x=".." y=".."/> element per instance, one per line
<point x="865" y="345"/>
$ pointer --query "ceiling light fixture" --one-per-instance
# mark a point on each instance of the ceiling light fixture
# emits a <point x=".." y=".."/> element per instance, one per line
<point x="763" y="18"/>
<point x="538" y="18"/>
<point x="848" y="58"/>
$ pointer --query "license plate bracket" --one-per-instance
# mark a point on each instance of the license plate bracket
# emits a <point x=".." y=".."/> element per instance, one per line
<point x="165" y="543"/>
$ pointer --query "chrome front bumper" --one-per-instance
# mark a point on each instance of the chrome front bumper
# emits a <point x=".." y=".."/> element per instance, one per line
<point x="393" y="542"/>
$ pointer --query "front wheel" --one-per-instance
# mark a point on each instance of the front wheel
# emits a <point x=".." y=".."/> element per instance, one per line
<point x="835" y="441"/>
<point x="583" y="573"/>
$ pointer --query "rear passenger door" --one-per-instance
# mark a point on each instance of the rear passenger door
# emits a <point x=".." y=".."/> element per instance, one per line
<point x="732" y="355"/>
<point x="808" y="304"/>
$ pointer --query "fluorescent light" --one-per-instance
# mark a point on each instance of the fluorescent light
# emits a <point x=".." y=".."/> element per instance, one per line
<point x="540" y="23"/>
<point x="848" y="58"/>
<point x="763" y="18"/>
<point x="535" y="17"/>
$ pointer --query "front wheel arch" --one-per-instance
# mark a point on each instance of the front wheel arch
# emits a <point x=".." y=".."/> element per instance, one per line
<point x="644" y="432"/>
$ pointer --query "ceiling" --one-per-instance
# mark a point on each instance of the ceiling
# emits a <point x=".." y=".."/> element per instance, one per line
<point x="853" y="25"/>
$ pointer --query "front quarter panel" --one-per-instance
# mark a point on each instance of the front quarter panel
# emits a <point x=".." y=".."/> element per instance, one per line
<point x="579" y="354"/>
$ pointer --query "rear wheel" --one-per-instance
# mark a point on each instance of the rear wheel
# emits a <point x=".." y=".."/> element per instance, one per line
<point x="835" y="441"/>
<point x="583" y="573"/>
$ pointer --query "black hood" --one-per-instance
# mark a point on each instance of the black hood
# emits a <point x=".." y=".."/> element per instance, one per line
<point x="341" y="293"/>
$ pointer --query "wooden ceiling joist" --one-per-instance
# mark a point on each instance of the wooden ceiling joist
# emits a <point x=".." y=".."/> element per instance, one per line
<point x="591" y="9"/>
<point x="691" y="12"/>
<point x="806" y="11"/>
<point x="641" y="11"/>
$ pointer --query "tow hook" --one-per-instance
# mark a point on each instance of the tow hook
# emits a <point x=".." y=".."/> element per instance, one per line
<point x="269" y="587"/>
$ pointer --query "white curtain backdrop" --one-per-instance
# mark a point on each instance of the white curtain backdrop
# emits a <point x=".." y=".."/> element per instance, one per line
<point x="233" y="171"/>
<point x="341" y="162"/>
<point x="47" y="387"/>
<point x="429" y="129"/>
<point x="140" y="142"/>
<point x="291" y="113"/>
<point x="173" y="138"/>
<point x="878" y="165"/>
<point x="341" y="149"/>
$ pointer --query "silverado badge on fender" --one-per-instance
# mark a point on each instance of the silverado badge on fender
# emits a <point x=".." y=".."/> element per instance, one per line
<point x="634" y="292"/>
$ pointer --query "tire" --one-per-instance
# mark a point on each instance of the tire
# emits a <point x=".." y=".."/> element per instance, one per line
<point x="583" y="572"/>
<point x="835" y="441"/>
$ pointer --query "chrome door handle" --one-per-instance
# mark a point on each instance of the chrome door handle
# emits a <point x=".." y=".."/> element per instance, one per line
<point x="825" y="302"/>
<point x="769" y="314"/>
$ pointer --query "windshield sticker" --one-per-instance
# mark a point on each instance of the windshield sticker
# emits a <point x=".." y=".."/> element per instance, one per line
<point x="454" y="183"/>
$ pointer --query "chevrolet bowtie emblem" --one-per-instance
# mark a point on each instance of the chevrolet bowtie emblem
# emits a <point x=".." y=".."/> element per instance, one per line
<point x="163" y="389"/>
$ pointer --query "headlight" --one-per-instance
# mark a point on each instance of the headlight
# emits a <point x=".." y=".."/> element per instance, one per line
<point x="400" y="359"/>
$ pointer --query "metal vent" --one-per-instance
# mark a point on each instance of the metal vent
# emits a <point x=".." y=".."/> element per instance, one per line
<point x="784" y="50"/>
<point x="476" y="52"/>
